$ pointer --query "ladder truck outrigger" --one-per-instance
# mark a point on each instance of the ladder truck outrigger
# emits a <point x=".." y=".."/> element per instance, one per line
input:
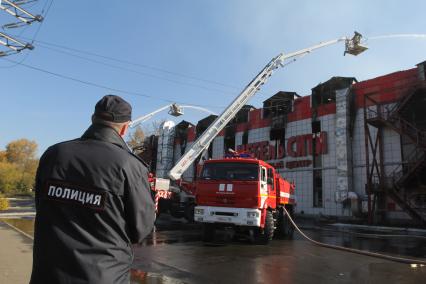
<point x="239" y="191"/>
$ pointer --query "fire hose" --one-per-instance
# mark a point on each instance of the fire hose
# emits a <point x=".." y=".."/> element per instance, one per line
<point x="368" y="253"/>
<point x="376" y="235"/>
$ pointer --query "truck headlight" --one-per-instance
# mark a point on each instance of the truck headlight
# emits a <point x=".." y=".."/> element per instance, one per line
<point x="252" y="214"/>
<point x="199" y="211"/>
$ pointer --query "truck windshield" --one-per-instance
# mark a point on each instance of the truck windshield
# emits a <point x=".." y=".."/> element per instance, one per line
<point x="230" y="171"/>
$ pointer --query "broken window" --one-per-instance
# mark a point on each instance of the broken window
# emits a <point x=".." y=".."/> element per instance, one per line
<point x="277" y="134"/>
<point x="203" y="124"/>
<point x="325" y="93"/>
<point x="229" y="139"/>
<point x="245" y="138"/>
<point x="279" y="104"/>
<point x="316" y="130"/>
<point x="277" y="107"/>
<point x="317" y="188"/>
<point x="182" y="134"/>
<point x="316" y="126"/>
<point x="413" y="108"/>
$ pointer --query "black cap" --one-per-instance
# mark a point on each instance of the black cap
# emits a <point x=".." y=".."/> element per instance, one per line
<point x="113" y="108"/>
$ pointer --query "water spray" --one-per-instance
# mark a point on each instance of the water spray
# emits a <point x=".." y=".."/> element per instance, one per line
<point x="397" y="36"/>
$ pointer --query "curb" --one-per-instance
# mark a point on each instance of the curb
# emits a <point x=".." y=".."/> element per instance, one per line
<point x="17" y="214"/>
<point x="18" y="230"/>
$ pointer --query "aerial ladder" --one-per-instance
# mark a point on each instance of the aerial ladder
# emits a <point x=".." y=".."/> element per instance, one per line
<point x="352" y="46"/>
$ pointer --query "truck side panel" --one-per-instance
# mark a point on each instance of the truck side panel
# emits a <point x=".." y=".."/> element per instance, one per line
<point x="285" y="193"/>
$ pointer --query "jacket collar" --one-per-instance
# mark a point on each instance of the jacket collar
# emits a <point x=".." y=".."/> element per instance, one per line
<point x="106" y="134"/>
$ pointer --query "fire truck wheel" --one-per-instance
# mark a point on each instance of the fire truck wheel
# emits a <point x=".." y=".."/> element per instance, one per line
<point x="284" y="229"/>
<point x="175" y="213"/>
<point x="263" y="236"/>
<point x="189" y="212"/>
<point x="208" y="232"/>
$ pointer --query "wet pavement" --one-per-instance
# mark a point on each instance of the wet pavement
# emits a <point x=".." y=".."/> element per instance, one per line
<point x="174" y="253"/>
<point x="181" y="255"/>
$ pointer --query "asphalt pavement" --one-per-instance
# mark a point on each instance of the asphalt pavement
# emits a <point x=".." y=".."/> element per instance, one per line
<point x="174" y="253"/>
<point x="15" y="257"/>
<point x="180" y="255"/>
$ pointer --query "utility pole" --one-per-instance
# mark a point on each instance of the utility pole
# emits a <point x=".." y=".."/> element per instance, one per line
<point x="14" y="9"/>
<point x="18" y="12"/>
<point x="14" y="45"/>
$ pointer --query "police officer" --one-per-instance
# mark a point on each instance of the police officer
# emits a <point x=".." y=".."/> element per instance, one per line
<point x="92" y="201"/>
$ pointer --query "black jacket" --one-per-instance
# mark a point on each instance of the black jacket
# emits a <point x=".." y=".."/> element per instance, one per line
<point x="92" y="201"/>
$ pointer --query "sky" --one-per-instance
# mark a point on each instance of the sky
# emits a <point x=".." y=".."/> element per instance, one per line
<point x="193" y="52"/>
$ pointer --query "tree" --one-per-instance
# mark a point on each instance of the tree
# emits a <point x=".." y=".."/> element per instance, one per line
<point x="27" y="178"/>
<point x="154" y="129"/>
<point x="18" y="165"/>
<point x="136" y="139"/>
<point x="21" y="151"/>
<point x="9" y="177"/>
<point x="3" y="157"/>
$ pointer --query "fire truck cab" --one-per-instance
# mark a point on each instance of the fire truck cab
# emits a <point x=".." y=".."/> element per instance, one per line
<point x="246" y="194"/>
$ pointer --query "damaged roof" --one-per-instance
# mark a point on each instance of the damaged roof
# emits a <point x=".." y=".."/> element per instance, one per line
<point x="335" y="83"/>
<point x="184" y="124"/>
<point x="280" y="96"/>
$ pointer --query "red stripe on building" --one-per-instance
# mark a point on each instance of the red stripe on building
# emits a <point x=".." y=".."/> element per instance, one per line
<point x="256" y="120"/>
<point x="301" y="109"/>
<point x="385" y="89"/>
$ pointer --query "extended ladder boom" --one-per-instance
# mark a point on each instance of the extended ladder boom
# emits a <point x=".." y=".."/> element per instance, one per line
<point x="221" y="121"/>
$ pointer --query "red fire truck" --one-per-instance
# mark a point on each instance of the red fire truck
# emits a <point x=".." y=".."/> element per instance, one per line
<point x="245" y="194"/>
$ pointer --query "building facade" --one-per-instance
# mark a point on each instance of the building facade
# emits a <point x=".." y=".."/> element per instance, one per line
<point x="353" y="149"/>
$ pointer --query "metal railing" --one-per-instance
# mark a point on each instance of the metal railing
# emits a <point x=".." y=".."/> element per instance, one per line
<point x="381" y="111"/>
<point x="394" y="182"/>
<point x="405" y="169"/>
<point x="390" y="116"/>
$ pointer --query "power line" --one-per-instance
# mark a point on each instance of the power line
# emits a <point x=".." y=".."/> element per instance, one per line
<point x="139" y="65"/>
<point x="103" y="86"/>
<point x="121" y="68"/>
<point x="92" y="84"/>
<point x="134" y="71"/>
<point x="45" y="45"/>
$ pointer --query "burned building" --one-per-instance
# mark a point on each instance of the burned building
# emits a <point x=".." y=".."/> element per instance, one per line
<point x="353" y="149"/>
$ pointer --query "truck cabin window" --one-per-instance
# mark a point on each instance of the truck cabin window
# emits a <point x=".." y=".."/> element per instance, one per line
<point x="263" y="174"/>
<point x="230" y="171"/>
<point x="270" y="178"/>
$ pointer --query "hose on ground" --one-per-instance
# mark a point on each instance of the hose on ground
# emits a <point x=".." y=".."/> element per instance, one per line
<point x="375" y="235"/>
<point x="373" y="254"/>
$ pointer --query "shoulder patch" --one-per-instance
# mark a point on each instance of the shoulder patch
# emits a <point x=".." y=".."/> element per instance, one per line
<point x="75" y="194"/>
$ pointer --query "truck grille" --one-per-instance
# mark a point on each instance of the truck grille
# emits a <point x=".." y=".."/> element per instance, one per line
<point x="226" y="214"/>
